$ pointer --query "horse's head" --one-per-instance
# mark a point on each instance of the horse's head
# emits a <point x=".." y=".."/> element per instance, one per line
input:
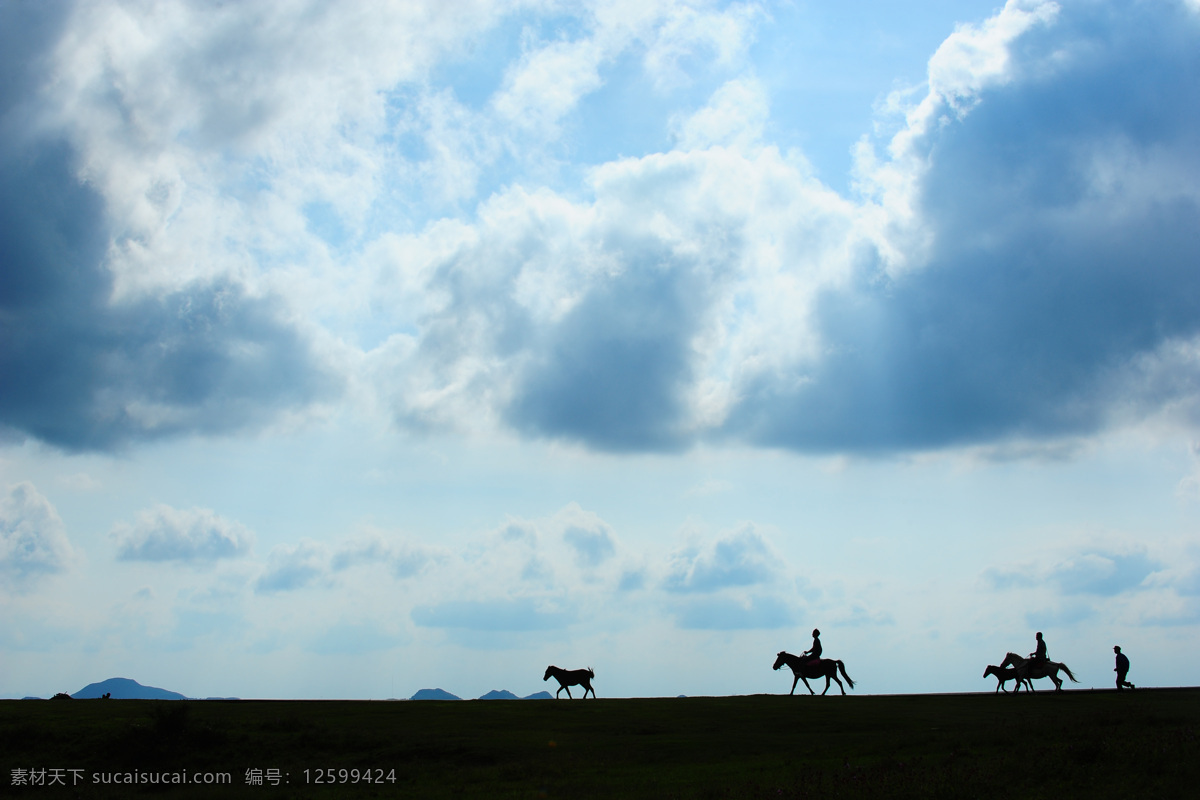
<point x="549" y="672"/>
<point x="779" y="660"/>
<point x="1011" y="660"/>
<point x="992" y="669"/>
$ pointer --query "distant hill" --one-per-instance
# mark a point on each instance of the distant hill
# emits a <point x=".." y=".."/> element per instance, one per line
<point x="505" y="694"/>
<point x="125" y="689"/>
<point x="434" y="694"/>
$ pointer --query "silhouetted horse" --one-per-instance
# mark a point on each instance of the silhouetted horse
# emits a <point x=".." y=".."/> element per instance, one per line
<point x="1004" y="675"/>
<point x="1029" y="669"/>
<point x="804" y="668"/>
<point x="571" y="677"/>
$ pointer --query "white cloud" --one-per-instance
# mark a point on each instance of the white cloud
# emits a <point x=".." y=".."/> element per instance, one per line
<point x="402" y="558"/>
<point x="734" y="117"/>
<point x="689" y="31"/>
<point x="740" y="558"/>
<point x="196" y="535"/>
<point x="271" y="88"/>
<point x="292" y="567"/>
<point x="627" y="322"/>
<point x="33" y="539"/>
<point x="546" y="84"/>
<point x="976" y="57"/>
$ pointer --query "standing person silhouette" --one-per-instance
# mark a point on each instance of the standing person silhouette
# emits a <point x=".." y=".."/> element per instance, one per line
<point x="814" y="652"/>
<point x="1122" y="669"/>
<point x="1039" y="654"/>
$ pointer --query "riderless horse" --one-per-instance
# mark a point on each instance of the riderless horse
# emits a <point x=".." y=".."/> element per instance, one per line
<point x="1004" y="675"/>
<point x="571" y="677"/>
<point x="804" y="668"/>
<point x="1028" y="668"/>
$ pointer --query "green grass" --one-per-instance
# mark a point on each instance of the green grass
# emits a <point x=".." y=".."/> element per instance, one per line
<point x="1098" y="744"/>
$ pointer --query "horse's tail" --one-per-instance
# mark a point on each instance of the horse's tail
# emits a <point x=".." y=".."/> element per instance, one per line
<point x="1069" y="675"/>
<point x="842" y="667"/>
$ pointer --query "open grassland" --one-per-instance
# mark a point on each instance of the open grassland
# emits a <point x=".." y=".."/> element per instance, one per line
<point x="1077" y="743"/>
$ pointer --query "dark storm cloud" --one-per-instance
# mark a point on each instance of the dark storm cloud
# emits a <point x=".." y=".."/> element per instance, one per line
<point x="614" y="372"/>
<point x="1066" y="254"/>
<point x="83" y="372"/>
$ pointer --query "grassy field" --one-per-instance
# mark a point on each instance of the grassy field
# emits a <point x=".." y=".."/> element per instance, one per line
<point x="1077" y="743"/>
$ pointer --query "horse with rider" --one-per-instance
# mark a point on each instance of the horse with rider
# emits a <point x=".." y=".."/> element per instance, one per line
<point x="809" y="664"/>
<point x="1026" y="670"/>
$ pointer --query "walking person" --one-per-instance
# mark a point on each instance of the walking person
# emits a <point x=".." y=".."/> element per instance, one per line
<point x="1122" y="669"/>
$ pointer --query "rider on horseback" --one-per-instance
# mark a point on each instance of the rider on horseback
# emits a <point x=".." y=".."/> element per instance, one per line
<point x="814" y="653"/>
<point x="1039" y="655"/>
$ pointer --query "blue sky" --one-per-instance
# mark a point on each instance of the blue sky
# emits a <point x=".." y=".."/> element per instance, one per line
<point x="351" y="350"/>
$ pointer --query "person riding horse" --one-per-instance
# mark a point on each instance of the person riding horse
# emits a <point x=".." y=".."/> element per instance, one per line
<point x="814" y="652"/>
<point x="1039" y="655"/>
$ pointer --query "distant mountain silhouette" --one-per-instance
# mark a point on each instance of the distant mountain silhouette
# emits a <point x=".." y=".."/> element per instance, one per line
<point x="505" y="694"/>
<point x="125" y="689"/>
<point x="434" y="694"/>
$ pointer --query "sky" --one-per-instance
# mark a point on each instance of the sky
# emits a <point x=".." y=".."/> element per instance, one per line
<point x="353" y="349"/>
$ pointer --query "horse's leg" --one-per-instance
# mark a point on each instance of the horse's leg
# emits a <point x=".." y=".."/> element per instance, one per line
<point x="568" y="688"/>
<point x="806" y="685"/>
<point x="795" y="680"/>
<point x="839" y="683"/>
<point x="560" y="688"/>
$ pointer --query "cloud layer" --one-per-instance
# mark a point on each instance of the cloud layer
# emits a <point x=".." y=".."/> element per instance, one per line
<point x="1019" y="267"/>
<point x="203" y="234"/>
<point x="84" y="369"/>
